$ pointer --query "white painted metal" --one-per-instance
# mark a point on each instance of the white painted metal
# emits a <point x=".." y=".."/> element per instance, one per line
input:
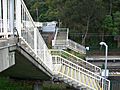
<point x="67" y="33"/>
<point x="76" y="47"/>
<point x="61" y="41"/>
<point x="95" y="79"/>
<point x="32" y="36"/>
<point x="1" y="22"/>
<point x="18" y="16"/>
<point x="11" y="16"/>
<point x="35" y="40"/>
<point x="0" y="10"/>
<point x="5" y="18"/>
<point x="76" y="60"/>
<point x="65" y="68"/>
<point x="53" y="41"/>
<point x="8" y="15"/>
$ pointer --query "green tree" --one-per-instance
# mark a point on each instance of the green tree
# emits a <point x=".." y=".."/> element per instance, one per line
<point x="111" y="25"/>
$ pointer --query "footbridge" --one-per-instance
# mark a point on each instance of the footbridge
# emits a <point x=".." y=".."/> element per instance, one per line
<point x="25" y="55"/>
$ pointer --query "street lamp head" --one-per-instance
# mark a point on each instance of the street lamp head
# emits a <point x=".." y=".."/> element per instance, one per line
<point x="102" y="43"/>
<point x="88" y="48"/>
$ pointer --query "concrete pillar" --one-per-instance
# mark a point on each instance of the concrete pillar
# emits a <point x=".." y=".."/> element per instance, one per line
<point x="18" y="16"/>
<point x="37" y="86"/>
<point x="5" y="18"/>
<point x="12" y="16"/>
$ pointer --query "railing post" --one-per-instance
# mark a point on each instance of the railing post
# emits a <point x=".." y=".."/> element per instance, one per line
<point x="1" y="16"/>
<point x="44" y="54"/>
<point x="0" y="10"/>
<point x="5" y="17"/>
<point x="18" y="16"/>
<point x="67" y="37"/>
<point x="35" y="40"/>
<point x="102" y="84"/>
<point x="67" y="33"/>
<point x="12" y="16"/>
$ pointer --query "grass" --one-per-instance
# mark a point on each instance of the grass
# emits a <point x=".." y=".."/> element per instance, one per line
<point x="9" y="84"/>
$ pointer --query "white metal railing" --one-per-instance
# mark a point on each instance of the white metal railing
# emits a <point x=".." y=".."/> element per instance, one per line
<point x="61" y="40"/>
<point x="77" y="47"/>
<point x="58" y="39"/>
<point x="70" y="44"/>
<point x="75" y="73"/>
<point x="5" y="17"/>
<point x="32" y="36"/>
<point x="53" y="41"/>
<point x="62" y="34"/>
<point x="1" y="26"/>
<point x="33" y="42"/>
<point x="14" y="14"/>
<point x="77" y="60"/>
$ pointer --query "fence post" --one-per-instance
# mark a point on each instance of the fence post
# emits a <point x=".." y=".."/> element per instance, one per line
<point x="5" y="18"/>
<point x="18" y="16"/>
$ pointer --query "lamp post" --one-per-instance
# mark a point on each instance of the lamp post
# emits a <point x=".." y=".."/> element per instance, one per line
<point x="106" y="52"/>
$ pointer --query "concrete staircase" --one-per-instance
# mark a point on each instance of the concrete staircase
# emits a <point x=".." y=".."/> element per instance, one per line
<point x="73" y="70"/>
<point x="64" y="67"/>
<point x="61" y="41"/>
<point x="77" y="76"/>
<point x="76" y="60"/>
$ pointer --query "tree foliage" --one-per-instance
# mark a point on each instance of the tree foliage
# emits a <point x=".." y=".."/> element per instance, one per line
<point x="82" y="16"/>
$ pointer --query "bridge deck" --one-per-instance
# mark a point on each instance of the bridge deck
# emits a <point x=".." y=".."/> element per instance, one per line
<point x="26" y="66"/>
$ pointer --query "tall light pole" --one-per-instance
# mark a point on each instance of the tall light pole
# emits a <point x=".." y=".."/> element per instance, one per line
<point x="106" y="52"/>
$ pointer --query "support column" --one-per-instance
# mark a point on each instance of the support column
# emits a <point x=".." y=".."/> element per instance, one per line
<point x="5" y="18"/>
<point x="18" y="16"/>
<point x="12" y="16"/>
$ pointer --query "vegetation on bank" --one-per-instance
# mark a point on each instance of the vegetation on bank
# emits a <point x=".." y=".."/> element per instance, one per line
<point x="12" y="84"/>
<point x="9" y="84"/>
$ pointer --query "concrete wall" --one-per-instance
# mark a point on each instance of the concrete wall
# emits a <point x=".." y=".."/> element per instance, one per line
<point x="6" y="59"/>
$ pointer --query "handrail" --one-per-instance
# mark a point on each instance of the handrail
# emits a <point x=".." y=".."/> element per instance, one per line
<point x="74" y="80"/>
<point x="70" y="44"/>
<point x="22" y="2"/>
<point x="53" y="41"/>
<point x="92" y="74"/>
<point x="76" y="46"/>
<point x="36" y="55"/>
<point x="76" y="59"/>
<point x="81" y="70"/>
<point x="1" y="25"/>
<point x="31" y="35"/>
